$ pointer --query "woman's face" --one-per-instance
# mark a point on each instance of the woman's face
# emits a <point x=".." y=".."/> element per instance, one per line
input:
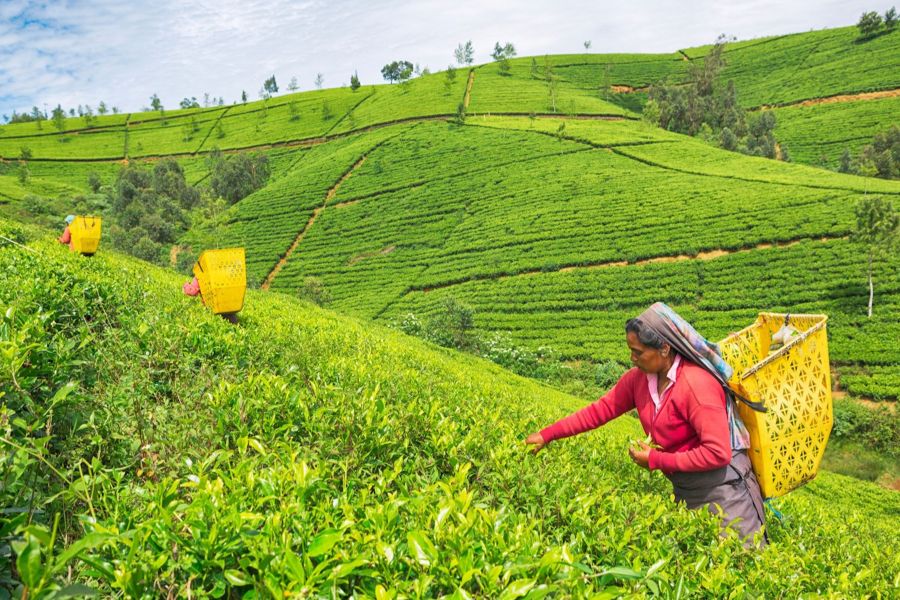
<point x="646" y="358"/>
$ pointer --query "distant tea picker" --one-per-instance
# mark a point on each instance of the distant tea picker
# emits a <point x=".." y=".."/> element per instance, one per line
<point x="220" y="279"/>
<point x="699" y="441"/>
<point x="82" y="234"/>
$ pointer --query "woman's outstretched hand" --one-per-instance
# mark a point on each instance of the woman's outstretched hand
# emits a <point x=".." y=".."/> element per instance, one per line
<point x="537" y="440"/>
<point x="640" y="453"/>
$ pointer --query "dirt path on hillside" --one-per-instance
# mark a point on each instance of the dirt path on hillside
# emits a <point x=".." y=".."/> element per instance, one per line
<point x="312" y="219"/>
<point x="706" y="255"/>
<point x="835" y="99"/>
<point x="468" y="95"/>
<point x="627" y="89"/>
<point x="383" y="252"/>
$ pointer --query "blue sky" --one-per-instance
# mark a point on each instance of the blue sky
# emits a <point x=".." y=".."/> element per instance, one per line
<point x="73" y="52"/>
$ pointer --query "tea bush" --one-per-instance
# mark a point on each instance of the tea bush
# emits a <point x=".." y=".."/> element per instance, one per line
<point x="150" y="448"/>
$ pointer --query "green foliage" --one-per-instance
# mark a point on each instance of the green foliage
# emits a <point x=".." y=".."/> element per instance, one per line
<point x="875" y="428"/>
<point x="464" y="53"/>
<point x="354" y="81"/>
<point x="707" y="109"/>
<point x="869" y="24"/>
<point x="400" y="71"/>
<point x="59" y="118"/>
<point x="878" y="231"/>
<point x="270" y="87"/>
<point x="307" y="451"/>
<point x="501" y="56"/>
<point x="449" y="79"/>
<point x="155" y="103"/>
<point x="313" y="290"/>
<point x="235" y="176"/>
<point x="882" y="156"/>
<point x="187" y="103"/>
<point x="819" y="134"/>
<point x="890" y="19"/>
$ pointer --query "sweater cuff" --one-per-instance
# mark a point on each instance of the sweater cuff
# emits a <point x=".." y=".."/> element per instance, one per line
<point x="549" y="434"/>
<point x="656" y="460"/>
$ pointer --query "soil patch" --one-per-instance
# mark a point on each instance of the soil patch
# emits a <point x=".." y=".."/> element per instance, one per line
<point x="383" y="252"/>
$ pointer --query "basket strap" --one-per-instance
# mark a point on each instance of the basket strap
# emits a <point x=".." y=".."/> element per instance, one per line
<point x="757" y="406"/>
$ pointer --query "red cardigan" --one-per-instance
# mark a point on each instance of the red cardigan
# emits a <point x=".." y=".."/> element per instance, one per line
<point x="691" y="427"/>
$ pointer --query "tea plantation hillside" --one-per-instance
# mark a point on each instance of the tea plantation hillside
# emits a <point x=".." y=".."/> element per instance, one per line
<point x="545" y="235"/>
<point x="541" y="218"/>
<point x="152" y="449"/>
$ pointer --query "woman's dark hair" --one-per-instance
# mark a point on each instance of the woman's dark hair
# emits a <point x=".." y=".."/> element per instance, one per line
<point x="644" y="334"/>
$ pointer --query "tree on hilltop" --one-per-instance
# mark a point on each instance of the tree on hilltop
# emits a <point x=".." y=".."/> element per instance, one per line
<point x="244" y="96"/>
<point x="37" y="116"/>
<point x="465" y="53"/>
<point x="587" y="44"/>
<point x="502" y="54"/>
<point x="102" y="108"/>
<point x="155" y="104"/>
<point x="400" y="70"/>
<point x="320" y="79"/>
<point x="449" y="79"/>
<point x="269" y="88"/>
<point x="293" y="86"/>
<point x="890" y="19"/>
<point x="869" y="24"/>
<point x="59" y="117"/>
<point x="878" y="230"/>
<point x="354" y="81"/>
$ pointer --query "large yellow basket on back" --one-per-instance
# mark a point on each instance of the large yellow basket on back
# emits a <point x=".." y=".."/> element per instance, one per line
<point x="222" y="275"/>
<point x="85" y="232"/>
<point x="794" y="383"/>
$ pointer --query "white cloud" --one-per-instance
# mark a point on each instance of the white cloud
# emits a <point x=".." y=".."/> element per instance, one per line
<point x="78" y="52"/>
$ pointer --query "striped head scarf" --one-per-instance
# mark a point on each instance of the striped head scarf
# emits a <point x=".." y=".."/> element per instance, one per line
<point x="685" y="340"/>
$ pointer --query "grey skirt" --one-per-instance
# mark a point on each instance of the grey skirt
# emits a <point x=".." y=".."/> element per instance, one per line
<point x="732" y="492"/>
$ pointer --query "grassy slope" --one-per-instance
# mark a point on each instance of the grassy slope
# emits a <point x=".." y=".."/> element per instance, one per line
<point x="420" y="214"/>
<point x="303" y="449"/>
<point x="824" y="131"/>
<point x="470" y="218"/>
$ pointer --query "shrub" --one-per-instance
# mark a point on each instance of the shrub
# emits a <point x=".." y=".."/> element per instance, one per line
<point x="314" y="291"/>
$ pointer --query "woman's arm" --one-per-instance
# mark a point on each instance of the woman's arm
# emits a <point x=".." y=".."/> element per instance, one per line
<point x="618" y="401"/>
<point x="705" y="410"/>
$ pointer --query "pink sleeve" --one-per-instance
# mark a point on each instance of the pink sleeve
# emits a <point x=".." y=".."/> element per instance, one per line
<point x="66" y="236"/>
<point x="618" y="401"/>
<point x="705" y="411"/>
<point x="191" y="288"/>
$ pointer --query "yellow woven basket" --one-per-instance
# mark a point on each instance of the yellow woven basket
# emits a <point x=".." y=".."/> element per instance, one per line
<point x="85" y="232"/>
<point x="794" y="383"/>
<point x="222" y="275"/>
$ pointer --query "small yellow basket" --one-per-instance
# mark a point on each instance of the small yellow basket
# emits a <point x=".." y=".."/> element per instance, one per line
<point x="85" y="232"/>
<point x="794" y="383"/>
<point x="222" y="275"/>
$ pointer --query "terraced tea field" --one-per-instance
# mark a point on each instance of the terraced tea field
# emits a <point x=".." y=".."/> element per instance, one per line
<point x="149" y="448"/>
<point x="372" y="460"/>
<point x="379" y="196"/>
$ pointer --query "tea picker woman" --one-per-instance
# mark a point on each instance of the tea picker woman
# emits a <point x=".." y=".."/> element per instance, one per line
<point x="66" y="237"/>
<point x="700" y="443"/>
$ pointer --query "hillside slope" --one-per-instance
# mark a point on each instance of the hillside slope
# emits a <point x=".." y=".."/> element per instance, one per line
<point x="306" y="453"/>
<point x="393" y="207"/>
